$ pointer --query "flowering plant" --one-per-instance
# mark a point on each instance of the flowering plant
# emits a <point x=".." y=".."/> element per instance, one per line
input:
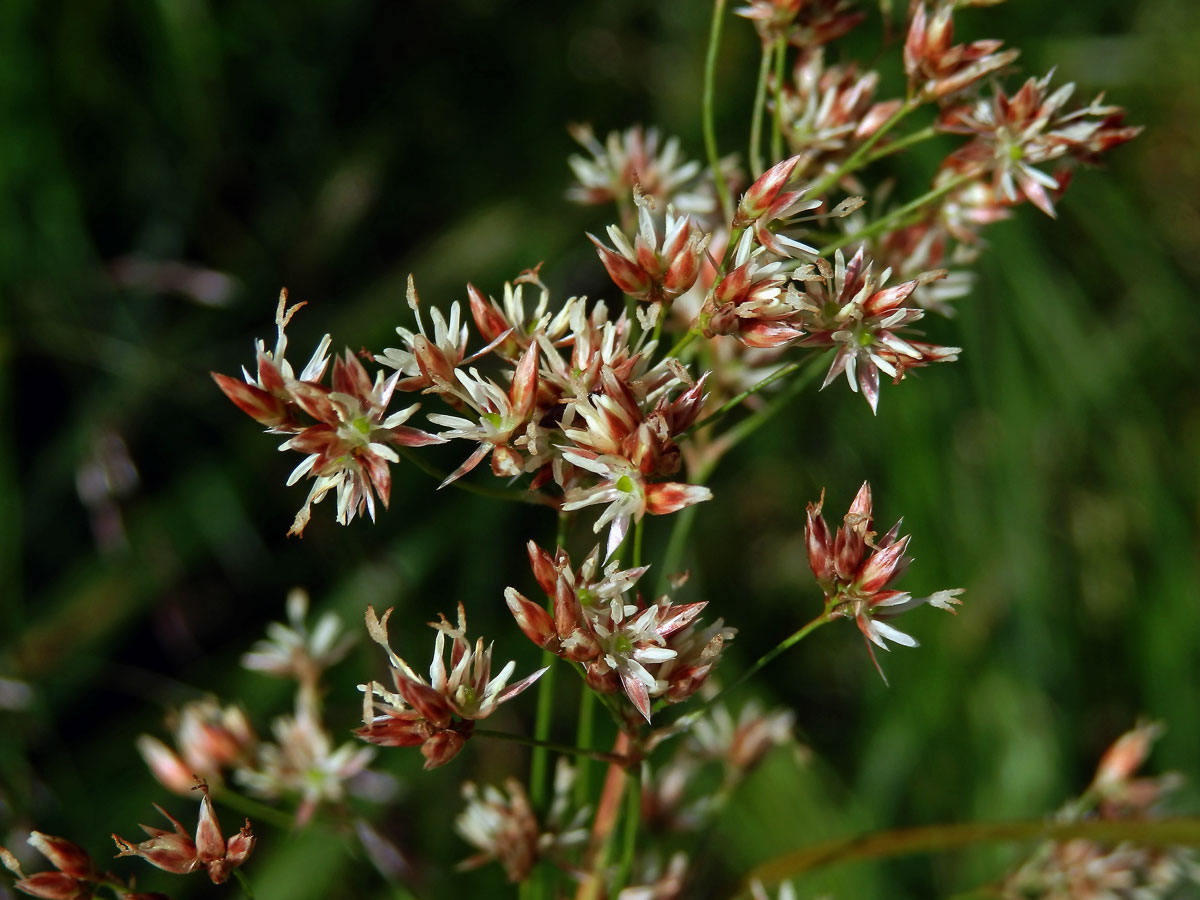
<point x="737" y="286"/>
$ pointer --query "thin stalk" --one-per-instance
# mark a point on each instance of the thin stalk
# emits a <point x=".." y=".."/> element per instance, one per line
<point x="734" y="402"/>
<point x="1181" y="832"/>
<point x="859" y="157"/>
<point x="633" y="815"/>
<point x="899" y="144"/>
<point x="518" y="496"/>
<point x="786" y="644"/>
<point x="254" y="809"/>
<point x="539" y="761"/>
<point x="777" y="118"/>
<point x="680" y="344"/>
<point x="615" y="759"/>
<point x="759" y="418"/>
<point x="680" y="529"/>
<point x="585" y="737"/>
<point x="896" y="215"/>
<point x="658" y="325"/>
<point x="637" y="542"/>
<point x="707" y="108"/>
<point x="760" y="102"/>
<point x="245" y="883"/>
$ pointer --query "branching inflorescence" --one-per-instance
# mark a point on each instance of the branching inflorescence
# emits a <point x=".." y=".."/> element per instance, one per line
<point x="618" y="408"/>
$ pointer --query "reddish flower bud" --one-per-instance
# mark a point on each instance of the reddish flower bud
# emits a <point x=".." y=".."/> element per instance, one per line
<point x="760" y="195"/>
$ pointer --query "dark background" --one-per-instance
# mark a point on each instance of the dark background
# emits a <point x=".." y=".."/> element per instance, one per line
<point x="334" y="149"/>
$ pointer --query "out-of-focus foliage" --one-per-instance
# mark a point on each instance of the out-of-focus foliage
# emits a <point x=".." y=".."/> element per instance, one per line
<point x="167" y="167"/>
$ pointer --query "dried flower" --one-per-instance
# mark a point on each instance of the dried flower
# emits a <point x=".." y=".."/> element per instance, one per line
<point x="501" y="415"/>
<point x="802" y="23"/>
<point x="854" y="570"/>
<point x="626" y="493"/>
<point x="743" y="744"/>
<point x="350" y="447"/>
<point x="825" y="110"/>
<point x="749" y="301"/>
<point x="175" y="851"/>
<point x="437" y="715"/>
<point x="644" y="650"/>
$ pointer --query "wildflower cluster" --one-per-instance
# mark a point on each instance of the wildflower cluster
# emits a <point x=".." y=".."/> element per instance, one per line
<point x="855" y="568"/>
<point x="437" y="715"/>
<point x="611" y="408"/>
<point x="302" y="763"/>
<point x="645" y="650"/>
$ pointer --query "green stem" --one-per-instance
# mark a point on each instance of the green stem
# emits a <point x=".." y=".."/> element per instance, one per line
<point x="566" y="749"/>
<point x="859" y="157"/>
<point x="245" y="883"/>
<point x="584" y="737"/>
<point x="814" y="366"/>
<point x="633" y="815"/>
<point x="637" y="543"/>
<point x="760" y="101"/>
<point x="492" y="493"/>
<point x="1183" y="832"/>
<point x="680" y="529"/>
<point x="752" y="423"/>
<point x="254" y="809"/>
<point x="683" y="342"/>
<point x="777" y="119"/>
<point x="539" y="761"/>
<point x="896" y="215"/>
<point x="658" y="325"/>
<point x="786" y="644"/>
<point x="899" y="144"/>
<point x="707" y="111"/>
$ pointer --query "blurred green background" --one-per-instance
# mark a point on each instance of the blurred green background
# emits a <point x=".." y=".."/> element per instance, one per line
<point x="167" y="166"/>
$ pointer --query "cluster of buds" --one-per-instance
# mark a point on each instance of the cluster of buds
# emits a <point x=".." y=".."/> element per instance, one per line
<point x="653" y="268"/>
<point x="208" y="738"/>
<point x="437" y="715"/>
<point x="644" y="650"/>
<point x="176" y="851"/>
<point x="855" y="569"/>
<point x="579" y="404"/>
